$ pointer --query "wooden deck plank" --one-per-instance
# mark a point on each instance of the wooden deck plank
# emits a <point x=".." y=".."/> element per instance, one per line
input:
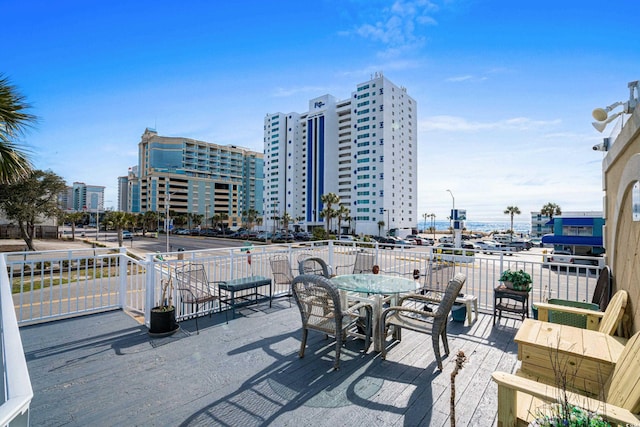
<point x="105" y="369"/>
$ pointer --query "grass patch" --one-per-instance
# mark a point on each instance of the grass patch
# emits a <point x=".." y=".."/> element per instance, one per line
<point x="37" y="281"/>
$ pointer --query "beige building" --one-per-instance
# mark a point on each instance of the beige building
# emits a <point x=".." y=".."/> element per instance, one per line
<point x="621" y="182"/>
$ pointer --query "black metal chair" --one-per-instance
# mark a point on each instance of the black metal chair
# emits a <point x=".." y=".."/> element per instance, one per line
<point x="195" y="290"/>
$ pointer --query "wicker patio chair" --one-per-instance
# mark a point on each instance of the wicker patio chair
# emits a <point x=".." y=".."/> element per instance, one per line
<point x="195" y="290"/>
<point x="409" y="314"/>
<point x="520" y="398"/>
<point x="320" y="309"/>
<point x="364" y="263"/>
<point x="313" y="265"/>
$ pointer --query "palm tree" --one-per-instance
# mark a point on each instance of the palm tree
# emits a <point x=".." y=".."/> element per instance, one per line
<point x="74" y="218"/>
<point x="380" y="225"/>
<point x="249" y="217"/>
<point x="342" y="213"/>
<point x="328" y="212"/>
<point x="512" y="210"/>
<point x="119" y="220"/>
<point x="551" y="210"/>
<point x="14" y="162"/>
<point x="286" y="219"/>
<point x="150" y="221"/>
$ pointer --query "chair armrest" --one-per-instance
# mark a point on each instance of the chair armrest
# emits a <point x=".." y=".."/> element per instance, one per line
<point x="342" y="266"/>
<point x="419" y="298"/>
<point x="510" y="385"/>
<point x="593" y="317"/>
<point x="357" y="307"/>
<point x="418" y="311"/>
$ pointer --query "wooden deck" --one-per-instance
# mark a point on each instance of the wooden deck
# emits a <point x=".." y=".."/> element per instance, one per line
<point x="104" y="369"/>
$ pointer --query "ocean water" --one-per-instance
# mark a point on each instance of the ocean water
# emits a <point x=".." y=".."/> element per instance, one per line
<point x="520" y="227"/>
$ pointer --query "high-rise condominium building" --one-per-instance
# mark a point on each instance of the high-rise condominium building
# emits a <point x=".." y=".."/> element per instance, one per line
<point x="363" y="149"/>
<point x="187" y="176"/>
<point x="81" y="197"/>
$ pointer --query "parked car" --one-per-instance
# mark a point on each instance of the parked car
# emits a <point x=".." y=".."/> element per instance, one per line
<point x="536" y="242"/>
<point x="445" y="239"/>
<point x="127" y="235"/>
<point x="264" y="236"/>
<point x="385" y="242"/>
<point x="303" y="235"/>
<point x="520" y="245"/>
<point x="491" y="247"/>
<point x="401" y="242"/>
<point x="282" y="237"/>
<point x="562" y="257"/>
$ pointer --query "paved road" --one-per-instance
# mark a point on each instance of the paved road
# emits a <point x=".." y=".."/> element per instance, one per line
<point x="188" y="243"/>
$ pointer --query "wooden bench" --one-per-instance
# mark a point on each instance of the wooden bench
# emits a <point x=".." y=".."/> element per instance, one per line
<point x="253" y="283"/>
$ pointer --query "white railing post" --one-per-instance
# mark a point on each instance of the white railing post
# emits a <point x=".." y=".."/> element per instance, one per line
<point x="150" y="288"/>
<point x="15" y="391"/>
<point x="331" y="260"/>
<point x="122" y="297"/>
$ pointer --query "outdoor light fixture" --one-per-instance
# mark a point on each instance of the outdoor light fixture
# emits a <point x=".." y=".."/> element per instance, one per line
<point x="602" y="114"/>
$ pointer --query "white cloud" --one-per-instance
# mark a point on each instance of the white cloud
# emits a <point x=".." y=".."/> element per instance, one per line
<point x="397" y="26"/>
<point x="281" y="92"/>
<point x="460" y="124"/>
<point x="459" y="78"/>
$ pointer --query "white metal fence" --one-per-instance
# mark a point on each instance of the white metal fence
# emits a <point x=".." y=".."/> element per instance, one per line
<point x="51" y="285"/>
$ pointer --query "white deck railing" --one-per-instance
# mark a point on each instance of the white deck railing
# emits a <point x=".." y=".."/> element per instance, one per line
<point x="15" y="390"/>
<point x="50" y="285"/>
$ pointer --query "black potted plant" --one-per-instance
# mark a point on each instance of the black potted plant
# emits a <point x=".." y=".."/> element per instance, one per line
<point x="162" y="321"/>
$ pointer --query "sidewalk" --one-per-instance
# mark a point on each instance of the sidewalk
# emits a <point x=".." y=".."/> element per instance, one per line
<point x="19" y="245"/>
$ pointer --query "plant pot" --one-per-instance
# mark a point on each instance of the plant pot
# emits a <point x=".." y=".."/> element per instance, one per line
<point x="459" y="312"/>
<point x="534" y="312"/>
<point x="162" y="321"/>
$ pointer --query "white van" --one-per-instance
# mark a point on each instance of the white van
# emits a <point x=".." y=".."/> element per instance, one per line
<point x="503" y="238"/>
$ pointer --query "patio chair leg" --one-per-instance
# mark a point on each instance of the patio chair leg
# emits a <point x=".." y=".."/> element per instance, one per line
<point x="435" y="340"/>
<point x="196" y="316"/>
<point x="368" y="332"/>
<point x="336" y="364"/>
<point x="303" y="344"/>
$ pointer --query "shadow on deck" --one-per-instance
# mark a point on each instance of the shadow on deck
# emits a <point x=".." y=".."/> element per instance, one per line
<point x="104" y="369"/>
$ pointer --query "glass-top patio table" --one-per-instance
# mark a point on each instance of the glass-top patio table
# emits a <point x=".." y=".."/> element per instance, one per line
<point x="373" y="288"/>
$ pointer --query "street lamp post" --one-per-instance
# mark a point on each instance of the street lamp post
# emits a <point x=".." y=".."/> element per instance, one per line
<point x="433" y="225"/>
<point x="453" y="199"/>
<point x="455" y="232"/>
<point x="388" y="224"/>
<point x="98" y="218"/>
<point x="166" y="220"/>
<point x="166" y="217"/>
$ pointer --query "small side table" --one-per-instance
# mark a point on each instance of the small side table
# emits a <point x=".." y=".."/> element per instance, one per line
<point x="510" y="300"/>
<point x="469" y="301"/>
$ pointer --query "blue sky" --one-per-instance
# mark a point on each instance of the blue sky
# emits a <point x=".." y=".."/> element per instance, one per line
<point x="505" y="89"/>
